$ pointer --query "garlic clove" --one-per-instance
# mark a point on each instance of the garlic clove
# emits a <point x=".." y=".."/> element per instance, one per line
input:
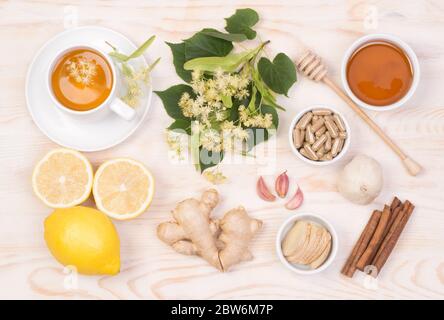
<point x="296" y="201"/>
<point x="263" y="191"/>
<point x="281" y="184"/>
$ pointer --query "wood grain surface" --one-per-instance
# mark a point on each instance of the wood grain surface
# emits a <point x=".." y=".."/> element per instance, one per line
<point x="150" y="269"/>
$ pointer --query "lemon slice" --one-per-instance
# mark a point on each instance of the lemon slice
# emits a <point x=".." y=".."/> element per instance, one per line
<point x="123" y="188"/>
<point x="63" y="178"/>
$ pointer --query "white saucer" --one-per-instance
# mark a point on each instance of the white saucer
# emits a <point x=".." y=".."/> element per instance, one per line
<point x="80" y="134"/>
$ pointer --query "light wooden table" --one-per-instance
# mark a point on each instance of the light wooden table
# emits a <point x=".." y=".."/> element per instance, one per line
<point x="150" y="269"/>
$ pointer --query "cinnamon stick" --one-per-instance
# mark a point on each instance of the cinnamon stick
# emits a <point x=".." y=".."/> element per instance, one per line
<point x="393" y="215"/>
<point x="393" y="235"/>
<point x="350" y="266"/>
<point x="375" y="241"/>
<point x="395" y="203"/>
<point x="402" y="210"/>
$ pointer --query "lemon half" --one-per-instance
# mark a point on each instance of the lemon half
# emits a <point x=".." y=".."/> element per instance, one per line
<point x="123" y="188"/>
<point x="63" y="178"/>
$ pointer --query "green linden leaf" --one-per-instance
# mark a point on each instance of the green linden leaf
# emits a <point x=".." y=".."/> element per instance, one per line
<point x="267" y="95"/>
<point x="279" y="75"/>
<point x="208" y="159"/>
<point x="233" y="37"/>
<point x="234" y="113"/>
<point x="171" y="97"/>
<point x="258" y="135"/>
<point x="181" y="125"/>
<point x="202" y="45"/>
<point x="178" y="50"/>
<point x="255" y="137"/>
<point x="242" y="21"/>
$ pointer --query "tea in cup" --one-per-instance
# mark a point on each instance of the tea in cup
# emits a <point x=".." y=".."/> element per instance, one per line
<point x="82" y="81"/>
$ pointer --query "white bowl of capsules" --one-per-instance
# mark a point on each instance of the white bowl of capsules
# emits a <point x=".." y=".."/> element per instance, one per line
<point x="380" y="72"/>
<point x="319" y="135"/>
<point x="306" y="243"/>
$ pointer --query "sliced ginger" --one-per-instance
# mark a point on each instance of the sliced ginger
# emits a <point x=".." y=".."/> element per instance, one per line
<point x="307" y="243"/>
<point x="222" y="243"/>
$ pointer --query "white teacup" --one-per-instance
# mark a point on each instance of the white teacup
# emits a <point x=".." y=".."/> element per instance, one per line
<point x="111" y="104"/>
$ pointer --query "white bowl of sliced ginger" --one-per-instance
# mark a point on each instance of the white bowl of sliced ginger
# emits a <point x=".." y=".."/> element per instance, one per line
<point x="306" y="243"/>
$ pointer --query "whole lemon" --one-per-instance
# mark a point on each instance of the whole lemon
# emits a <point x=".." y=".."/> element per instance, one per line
<point x="85" y="238"/>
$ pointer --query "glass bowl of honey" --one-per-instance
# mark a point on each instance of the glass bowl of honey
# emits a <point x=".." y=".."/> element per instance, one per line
<point x="380" y="72"/>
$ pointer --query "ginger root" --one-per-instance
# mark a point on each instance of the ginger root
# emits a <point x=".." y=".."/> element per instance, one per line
<point x="221" y="243"/>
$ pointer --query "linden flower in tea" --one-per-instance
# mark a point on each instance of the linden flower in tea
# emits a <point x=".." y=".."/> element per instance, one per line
<point x="82" y="79"/>
<point x="81" y="70"/>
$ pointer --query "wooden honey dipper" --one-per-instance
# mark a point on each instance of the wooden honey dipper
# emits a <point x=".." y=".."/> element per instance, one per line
<point x="311" y="66"/>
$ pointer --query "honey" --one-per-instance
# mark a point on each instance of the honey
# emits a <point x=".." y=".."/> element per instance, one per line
<point x="379" y="73"/>
<point x="82" y="79"/>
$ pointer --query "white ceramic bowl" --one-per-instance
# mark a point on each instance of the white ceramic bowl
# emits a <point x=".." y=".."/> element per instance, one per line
<point x="318" y="163"/>
<point x="286" y="226"/>
<point x="397" y="42"/>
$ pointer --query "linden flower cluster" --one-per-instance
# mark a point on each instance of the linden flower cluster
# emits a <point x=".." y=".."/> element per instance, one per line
<point x="81" y="70"/>
<point x="255" y="120"/>
<point x="134" y="80"/>
<point x="210" y="109"/>
<point x="178" y="144"/>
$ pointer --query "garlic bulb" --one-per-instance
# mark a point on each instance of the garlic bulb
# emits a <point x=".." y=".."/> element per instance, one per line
<point x="361" y="180"/>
